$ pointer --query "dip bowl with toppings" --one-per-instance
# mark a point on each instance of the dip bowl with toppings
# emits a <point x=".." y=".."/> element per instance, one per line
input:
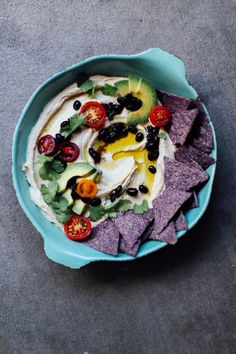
<point x="119" y="155"/>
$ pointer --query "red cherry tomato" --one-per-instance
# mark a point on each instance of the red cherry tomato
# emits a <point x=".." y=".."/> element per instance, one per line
<point x="159" y="116"/>
<point x="47" y="145"/>
<point x="68" y="152"/>
<point x="95" y="114"/>
<point x="78" y="228"/>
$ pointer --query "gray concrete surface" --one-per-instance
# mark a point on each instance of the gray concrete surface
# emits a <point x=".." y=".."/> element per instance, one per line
<point x="179" y="300"/>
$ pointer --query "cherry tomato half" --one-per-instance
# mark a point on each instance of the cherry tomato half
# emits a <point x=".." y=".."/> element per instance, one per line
<point x="47" y="145"/>
<point x="95" y="114"/>
<point x="68" y="152"/>
<point x="159" y="116"/>
<point x="78" y="228"/>
<point x="87" y="188"/>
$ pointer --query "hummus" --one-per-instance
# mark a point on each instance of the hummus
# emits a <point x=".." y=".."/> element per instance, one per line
<point x="123" y="162"/>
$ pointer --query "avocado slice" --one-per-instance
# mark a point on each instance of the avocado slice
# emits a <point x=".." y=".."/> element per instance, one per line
<point x="80" y="169"/>
<point x="96" y="176"/>
<point x="67" y="195"/>
<point x="142" y="89"/>
<point x="79" y="207"/>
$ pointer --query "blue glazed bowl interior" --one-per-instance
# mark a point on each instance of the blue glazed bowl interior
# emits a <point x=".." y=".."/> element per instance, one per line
<point x="167" y="73"/>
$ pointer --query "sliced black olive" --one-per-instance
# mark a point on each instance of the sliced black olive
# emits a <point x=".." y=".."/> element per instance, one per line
<point x="121" y="100"/>
<point x="150" y="129"/>
<point x="95" y="202"/>
<point x="124" y="132"/>
<point x="117" y="108"/>
<point x="132" y="129"/>
<point x="152" y="169"/>
<point x="139" y="137"/>
<point x="132" y="192"/>
<point x="151" y="145"/>
<point x="112" y="136"/>
<point x="143" y="189"/>
<point x="134" y="105"/>
<point x="77" y="105"/>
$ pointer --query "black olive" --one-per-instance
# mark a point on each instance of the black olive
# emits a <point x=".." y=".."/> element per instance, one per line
<point x="120" y="126"/>
<point x="153" y="155"/>
<point x="71" y="182"/>
<point x="132" y="192"/>
<point x="150" y="137"/>
<point x="95" y="155"/>
<point x="139" y="137"/>
<point x="132" y="129"/>
<point x="152" y="169"/>
<point x="156" y="130"/>
<point x="59" y="138"/>
<point x="77" y="105"/>
<point x="103" y="134"/>
<point x="156" y="138"/>
<point x="143" y="189"/>
<point x="128" y="97"/>
<point x="118" y="190"/>
<point x="95" y="202"/>
<point x="64" y="124"/>
<point x="113" y="195"/>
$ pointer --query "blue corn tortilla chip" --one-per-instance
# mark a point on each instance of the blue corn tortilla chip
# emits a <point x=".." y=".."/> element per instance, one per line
<point x="181" y="125"/>
<point x="132" y="226"/>
<point x="175" y="103"/>
<point x="180" y="222"/>
<point x="167" y="205"/>
<point x="201" y="134"/>
<point x="104" y="237"/>
<point x="167" y="235"/>
<point x="185" y="153"/>
<point x="182" y="176"/>
<point x="131" y="251"/>
<point x="193" y="202"/>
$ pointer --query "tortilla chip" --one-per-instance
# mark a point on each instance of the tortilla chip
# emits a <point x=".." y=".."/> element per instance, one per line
<point x="184" y="153"/>
<point x="193" y="201"/>
<point x="201" y="134"/>
<point x="182" y="176"/>
<point x="180" y="222"/>
<point x="167" y="205"/>
<point x="181" y="124"/>
<point x="104" y="237"/>
<point x="167" y="235"/>
<point x="175" y="103"/>
<point x="131" y="251"/>
<point x="131" y="226"/>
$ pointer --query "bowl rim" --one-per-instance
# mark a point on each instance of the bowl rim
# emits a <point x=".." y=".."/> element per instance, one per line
<point x="102" y="256"/>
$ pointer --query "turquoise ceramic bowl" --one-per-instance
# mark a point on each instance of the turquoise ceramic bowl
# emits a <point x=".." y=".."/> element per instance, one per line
<point x="166" y="72"/>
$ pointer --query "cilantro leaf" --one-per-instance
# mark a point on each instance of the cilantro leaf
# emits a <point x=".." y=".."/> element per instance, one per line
<point x="49" y="192"/>
<point x="120" y="205"/>
<point x="57" y="166"/>
<point x="61" y="209"/>
<point x="109" y="90"/>
<point x="162" y="135"/>
<point x="74" y="123"/>
<point x="96" y="213"/>
<point x="87" y="85"/>
<point x="82" y="77"/>
<point x="141" y="208"/>
<point x="43" y="158"/>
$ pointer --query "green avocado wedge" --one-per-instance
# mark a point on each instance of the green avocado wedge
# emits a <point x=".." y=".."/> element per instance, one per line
<point x="79" y="207"/>
<point x="141" y="89"/>
<point x="80" y="169"/>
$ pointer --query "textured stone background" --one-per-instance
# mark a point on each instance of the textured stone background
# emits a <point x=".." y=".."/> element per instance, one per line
<point x="179" y="300"/>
